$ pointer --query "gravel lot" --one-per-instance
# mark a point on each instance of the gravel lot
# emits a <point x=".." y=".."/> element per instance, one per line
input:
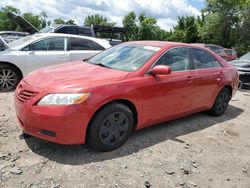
<point x="195" y="151"/>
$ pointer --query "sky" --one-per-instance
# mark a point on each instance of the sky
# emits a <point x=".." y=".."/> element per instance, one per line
<point x="166" y="11"/>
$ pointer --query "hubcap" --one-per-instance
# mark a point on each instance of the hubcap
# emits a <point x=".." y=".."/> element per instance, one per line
<point x="223" y="101"/>
<point x="114" y="128"/>
<point x="8" y="79"/>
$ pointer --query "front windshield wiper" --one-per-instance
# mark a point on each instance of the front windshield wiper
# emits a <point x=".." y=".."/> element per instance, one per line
<point x="102" y="65"/>
<point x="87" y="59"/>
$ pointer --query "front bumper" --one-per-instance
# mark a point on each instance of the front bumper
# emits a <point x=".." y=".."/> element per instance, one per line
<point x="59" y="124"/>
<point x="244" y="76"/>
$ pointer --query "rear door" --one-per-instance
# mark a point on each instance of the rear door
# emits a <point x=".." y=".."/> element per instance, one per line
<point x="208" y="78"/>
<point x="46" y="52"/>
<point x="80" y="49"/>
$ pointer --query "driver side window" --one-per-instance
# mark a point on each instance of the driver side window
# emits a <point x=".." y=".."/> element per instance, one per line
<point x="50" y="44"/>
<point x="177" y="59"/>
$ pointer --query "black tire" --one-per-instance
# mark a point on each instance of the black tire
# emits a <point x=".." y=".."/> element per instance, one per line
<point x="26" y="136"/>
<point x="110" y="127"/>
<point x="221" y="102"/>
<point x="9" y="77"/>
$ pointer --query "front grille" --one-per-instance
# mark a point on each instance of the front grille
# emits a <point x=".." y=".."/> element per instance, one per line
<point x="245" y="78"/>
<point x="25" y="95"/>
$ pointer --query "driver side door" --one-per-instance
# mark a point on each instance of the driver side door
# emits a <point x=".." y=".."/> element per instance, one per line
<point x="168" y="96"/>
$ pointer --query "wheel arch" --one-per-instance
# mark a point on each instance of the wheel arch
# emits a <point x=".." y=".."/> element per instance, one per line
<point x="13" y="65"/>
<point x="126" y="102"/>
<point x="230" y="88"/>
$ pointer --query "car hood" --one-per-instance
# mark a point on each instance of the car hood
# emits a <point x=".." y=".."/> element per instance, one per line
<point x="74" y="76"/>
<point x="241" y="63"/>
<point x="24" y="24"/>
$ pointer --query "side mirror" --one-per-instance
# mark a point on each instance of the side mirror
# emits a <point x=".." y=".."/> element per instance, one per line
<point x="161" y="70"/>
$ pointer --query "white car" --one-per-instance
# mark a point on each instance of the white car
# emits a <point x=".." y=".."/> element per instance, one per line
<point x="40" y="50"/>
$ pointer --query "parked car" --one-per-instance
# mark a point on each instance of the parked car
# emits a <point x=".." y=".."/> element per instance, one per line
<point x="231" y="54"/>
<point x="216" y="49"/>
<point x="40" y="50"/>
<point x="93" y="31"/>
<point x="69" y="29"/>
<point x="10" y="36"/>
<point x="243" y="66"/>
<point x="125" y="88"/>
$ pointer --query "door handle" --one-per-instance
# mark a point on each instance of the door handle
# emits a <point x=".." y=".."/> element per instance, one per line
<point x="221" y="74"/>
<point x="189" y="79"/>
<point x="63" y="56"/>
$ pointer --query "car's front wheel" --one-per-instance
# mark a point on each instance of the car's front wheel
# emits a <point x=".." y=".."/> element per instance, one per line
<point x="221" y="102"/>
<point x="9" y="77"/>
<point x="110" y="127"/>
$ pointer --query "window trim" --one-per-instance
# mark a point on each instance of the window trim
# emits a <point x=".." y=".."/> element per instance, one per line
<point x="189" y="56"/>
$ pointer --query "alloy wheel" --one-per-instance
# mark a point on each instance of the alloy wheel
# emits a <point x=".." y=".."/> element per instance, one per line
<point x="8" y="79"/>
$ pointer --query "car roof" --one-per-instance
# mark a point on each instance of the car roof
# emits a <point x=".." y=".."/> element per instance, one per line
<point x="160" y="44"/>
<point x="103" y="42"/>
<point x="207" y="45"/>
<point x="35" y="37"/>
<point x="167" y="44"/>
<point x="42" y="35"/>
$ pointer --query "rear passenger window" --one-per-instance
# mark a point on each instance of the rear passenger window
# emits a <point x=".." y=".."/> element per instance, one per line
<point x="83" y="44"/>
<point x="80" y="44"/>
<point x="203" y="60"/>
<point x="97" y="46"/>
<point x="177" y="59"/>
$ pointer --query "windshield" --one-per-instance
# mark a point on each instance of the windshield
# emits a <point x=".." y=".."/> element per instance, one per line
<point x="21" y="41"/>
<point x="47" y="29"/>
<point x="245" y="57"/>
<point x="125" y="57"/>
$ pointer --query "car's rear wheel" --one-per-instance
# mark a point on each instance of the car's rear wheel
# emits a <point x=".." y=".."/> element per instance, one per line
<point x="221" y="102"/>
<point x="110" y="127"/>
<point x="9" y="77"/>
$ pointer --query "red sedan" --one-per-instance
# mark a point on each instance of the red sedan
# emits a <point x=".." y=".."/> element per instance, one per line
<point x="125" y="88"/>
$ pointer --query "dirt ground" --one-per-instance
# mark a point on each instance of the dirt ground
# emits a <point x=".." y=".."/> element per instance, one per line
<point x="195" y="151"/>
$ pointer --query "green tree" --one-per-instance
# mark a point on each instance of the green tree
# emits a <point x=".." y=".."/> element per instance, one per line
<point x="225" y="21"/>
<point x="61" y="21"/>
<point x="5" y="22"/>
<point x="44" y="17"/>
<point x="186" y="30"/>
<point x="35" y="20"/>
<point x="97" y="19"/>
<point x="129" y="21"/>
<point x="143" y="27"/>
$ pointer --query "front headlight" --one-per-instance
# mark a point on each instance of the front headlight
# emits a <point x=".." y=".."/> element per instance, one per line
<point x="63" y="99"/>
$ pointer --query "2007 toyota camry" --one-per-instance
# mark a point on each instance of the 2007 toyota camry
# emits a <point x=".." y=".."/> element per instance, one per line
<point x="100" y="101"/>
